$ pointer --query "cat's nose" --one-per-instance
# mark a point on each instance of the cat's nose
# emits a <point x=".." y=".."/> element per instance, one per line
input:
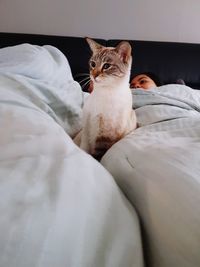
<point x="95" y="74"/>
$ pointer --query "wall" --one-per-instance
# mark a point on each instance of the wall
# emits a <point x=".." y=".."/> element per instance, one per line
<point x="161" y="20"/>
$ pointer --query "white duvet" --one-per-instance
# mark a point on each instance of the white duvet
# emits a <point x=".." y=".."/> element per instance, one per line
<point x="158" y="168"/>
<point x="59" y="207"/>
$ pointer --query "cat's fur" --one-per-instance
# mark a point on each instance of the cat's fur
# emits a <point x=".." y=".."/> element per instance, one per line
<point x="107" y="113"/>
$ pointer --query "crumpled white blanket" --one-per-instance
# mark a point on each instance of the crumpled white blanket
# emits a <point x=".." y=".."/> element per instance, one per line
<point x="158" y="168"/>
<point x="58" y="206"/>
<point x="43" y="72"/>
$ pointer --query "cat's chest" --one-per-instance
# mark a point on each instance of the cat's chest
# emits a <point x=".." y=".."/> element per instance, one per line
<point x="109" y="105"/>
<point x="106" y="118"/>
<point x="108" y="125"/>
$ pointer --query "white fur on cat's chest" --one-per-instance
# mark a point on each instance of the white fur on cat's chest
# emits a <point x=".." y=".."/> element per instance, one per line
<point x="111" y="103"/>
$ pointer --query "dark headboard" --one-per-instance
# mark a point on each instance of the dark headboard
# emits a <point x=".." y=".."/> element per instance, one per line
<point x="169" y="60"/>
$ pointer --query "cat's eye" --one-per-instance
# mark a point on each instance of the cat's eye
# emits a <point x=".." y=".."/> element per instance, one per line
<point x="106" y="66"/>
<point x="92" y="64"/>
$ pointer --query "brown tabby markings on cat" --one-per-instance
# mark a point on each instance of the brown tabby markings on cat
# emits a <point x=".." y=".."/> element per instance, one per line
<point x="104" y="140"/>
<point x="107" y="112"/>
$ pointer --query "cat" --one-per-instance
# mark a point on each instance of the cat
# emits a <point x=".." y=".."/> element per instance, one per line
<point x="107" y="112"/>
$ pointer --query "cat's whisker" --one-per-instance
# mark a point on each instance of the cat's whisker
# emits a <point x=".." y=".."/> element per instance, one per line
<point x="85" y="79"/>
<point x="85" y="84"/>
<point x="81" y="74"/>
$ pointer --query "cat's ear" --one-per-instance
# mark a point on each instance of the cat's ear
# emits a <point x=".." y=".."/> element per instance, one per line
<point x="93" y="45"/>
<point x="124" y="50"/>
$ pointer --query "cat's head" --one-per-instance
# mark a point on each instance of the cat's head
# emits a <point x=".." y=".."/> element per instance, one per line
<point x="109" y="65"/>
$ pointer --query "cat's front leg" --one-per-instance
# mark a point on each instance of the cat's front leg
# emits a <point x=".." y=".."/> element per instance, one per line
<point x="84" y="144"/>
<point x="77" y="138"/>
<point x="82" y="141"/>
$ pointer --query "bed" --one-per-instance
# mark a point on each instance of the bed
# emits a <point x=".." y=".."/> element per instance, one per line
<point x="139" y="205"/>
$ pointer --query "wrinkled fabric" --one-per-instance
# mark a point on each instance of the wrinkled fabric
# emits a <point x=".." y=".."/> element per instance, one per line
<point x="158" y="168"/>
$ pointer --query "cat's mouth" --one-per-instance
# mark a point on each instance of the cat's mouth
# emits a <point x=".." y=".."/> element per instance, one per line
<point x="96" y="79"/>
